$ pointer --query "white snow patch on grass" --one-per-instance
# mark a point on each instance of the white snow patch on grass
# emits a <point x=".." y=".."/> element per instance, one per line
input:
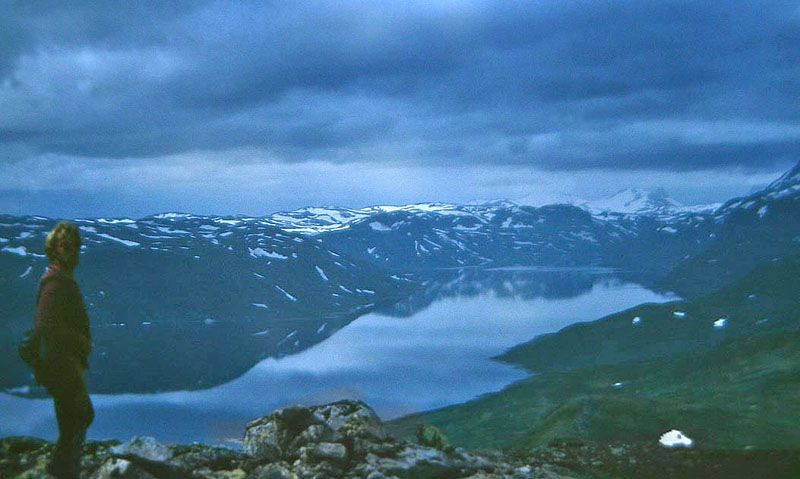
<point x="669" y="229"/>
<point x="763" y="211"/>
<point x="322" y="328"/>
<point x="636" y="320"/>
<point x="675" y="438"/>
<point x="679" y="314"/>
<point x="26" y="273"/>
<point x="720" y="323"/>
<point x="260" y="305"/>
<point x="262" y="333"/>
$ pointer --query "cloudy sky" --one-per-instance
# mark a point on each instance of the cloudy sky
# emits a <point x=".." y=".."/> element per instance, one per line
<point x="132" y="108"/>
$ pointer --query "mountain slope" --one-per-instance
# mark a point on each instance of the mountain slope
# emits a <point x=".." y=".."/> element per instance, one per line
<point x="749" y="231"/>
<point x="766" y="299"/>
<point x="210" y="296"/>
<point x="617" y="379"/>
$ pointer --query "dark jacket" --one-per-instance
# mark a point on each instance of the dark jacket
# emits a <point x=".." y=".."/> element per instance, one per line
<point x="61" y="319"/>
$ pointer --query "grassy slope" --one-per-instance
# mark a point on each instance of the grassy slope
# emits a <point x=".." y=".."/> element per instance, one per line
<point x="743" y="393"/>
<point x="770" y="292"/>
<point x="734" y="390"/>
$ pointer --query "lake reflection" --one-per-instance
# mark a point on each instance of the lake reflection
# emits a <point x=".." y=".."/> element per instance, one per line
<point x="436" y="356"/>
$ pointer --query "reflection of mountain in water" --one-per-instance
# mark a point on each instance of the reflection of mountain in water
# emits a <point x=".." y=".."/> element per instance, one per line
<point x="517" y="283"/>
<point x="138" y="357"/>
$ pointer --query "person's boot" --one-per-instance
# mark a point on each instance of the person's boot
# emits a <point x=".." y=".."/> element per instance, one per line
<point x="59" y="465"/>
<point x="65" y="461"/>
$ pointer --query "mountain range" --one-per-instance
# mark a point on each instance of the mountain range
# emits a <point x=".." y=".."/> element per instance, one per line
<point x="322" y="267"/>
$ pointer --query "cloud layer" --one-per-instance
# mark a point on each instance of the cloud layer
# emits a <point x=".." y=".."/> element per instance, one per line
<point x="622" y="85"/>
<point x="562" y="85"/>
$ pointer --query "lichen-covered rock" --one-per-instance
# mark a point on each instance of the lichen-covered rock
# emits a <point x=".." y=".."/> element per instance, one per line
<point x="276" y="470"/>
<point x="198" y="456"/>
<point x="419" y="462"/>
<point x="313" y="434"/>
<point x="206" y="473"/>
<point x="271" y="437"/>
<point x="360" y="447"/>
<point x="321" y="470"/>
<point x="351" y="419"/>
<point x="261" y="439"/>
<point x="431" y="436"/>
<point x="324" y="451"/>
<point x="283" y="434"/>
<point x="143" y="447"/>
<point x="115" y="468"/>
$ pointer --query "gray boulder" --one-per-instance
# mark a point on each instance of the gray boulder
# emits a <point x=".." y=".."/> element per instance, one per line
<point x="143" y="447"/>
<point x="284" y="433"/>
<point x="324" y="451"/>
<point x="115" y="468"/>
<point x="418" y="462"/>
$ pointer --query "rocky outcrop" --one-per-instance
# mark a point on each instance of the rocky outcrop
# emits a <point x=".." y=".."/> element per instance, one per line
<point x="344" y="439"/>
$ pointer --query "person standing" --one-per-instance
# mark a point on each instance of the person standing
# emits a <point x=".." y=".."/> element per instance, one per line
<point x="63" y="326"/>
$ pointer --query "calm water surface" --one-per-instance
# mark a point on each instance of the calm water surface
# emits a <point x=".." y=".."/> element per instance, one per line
<point x="434" y="357"/>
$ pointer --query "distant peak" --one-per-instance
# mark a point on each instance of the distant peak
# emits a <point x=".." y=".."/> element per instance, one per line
<point x="789" y="178"/>
<point x="635" y="200"/>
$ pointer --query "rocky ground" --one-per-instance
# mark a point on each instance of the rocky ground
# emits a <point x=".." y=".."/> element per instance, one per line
<point x="346" y="439"/>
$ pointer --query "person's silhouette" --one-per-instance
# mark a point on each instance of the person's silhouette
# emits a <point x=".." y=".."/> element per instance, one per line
<point x="63" y="326"/>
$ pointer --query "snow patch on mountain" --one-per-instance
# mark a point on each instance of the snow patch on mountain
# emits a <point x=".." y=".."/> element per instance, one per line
<point x="118" y="240"/>
<point x="261" y="253"/>
<point x="18" y="250"/>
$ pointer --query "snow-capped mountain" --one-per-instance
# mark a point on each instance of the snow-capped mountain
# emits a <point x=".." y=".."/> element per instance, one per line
<point x="631" y="201"/>
<point x="763" y="226"/>
<point x="634" y="201"/>
<point x="786" y="189"/>
<point x="186" y="261"/>
<point x="213" y="295"/>
<point x="451" y="236"/>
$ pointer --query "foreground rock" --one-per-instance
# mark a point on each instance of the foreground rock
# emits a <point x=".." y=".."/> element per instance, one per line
<point x="345" y="439"/>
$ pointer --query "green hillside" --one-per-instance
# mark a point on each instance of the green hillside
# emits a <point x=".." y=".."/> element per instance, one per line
<point x="734" y="387"/>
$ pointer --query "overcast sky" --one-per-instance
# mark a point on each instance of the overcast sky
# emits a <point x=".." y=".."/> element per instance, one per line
<point x="133" y="108"/>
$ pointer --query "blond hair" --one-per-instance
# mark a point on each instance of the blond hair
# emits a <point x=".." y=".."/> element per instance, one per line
<point x="62" y="230"/>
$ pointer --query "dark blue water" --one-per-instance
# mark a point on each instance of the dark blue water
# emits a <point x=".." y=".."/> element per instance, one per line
<point x="429" y="358"/>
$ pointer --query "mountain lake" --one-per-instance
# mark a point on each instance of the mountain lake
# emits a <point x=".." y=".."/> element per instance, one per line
<point x="430" y="351"/>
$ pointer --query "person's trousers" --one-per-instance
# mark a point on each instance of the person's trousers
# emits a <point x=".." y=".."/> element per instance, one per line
<point x="66" y="383"/>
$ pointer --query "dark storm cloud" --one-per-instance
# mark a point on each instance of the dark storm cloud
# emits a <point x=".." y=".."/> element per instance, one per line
<point x="552" y="84"/>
